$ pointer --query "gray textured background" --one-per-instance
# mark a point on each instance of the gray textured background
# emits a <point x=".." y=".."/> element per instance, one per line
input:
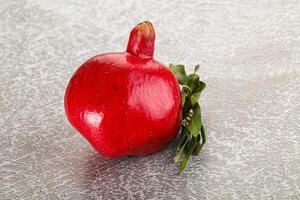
<point x="250" y="57"/>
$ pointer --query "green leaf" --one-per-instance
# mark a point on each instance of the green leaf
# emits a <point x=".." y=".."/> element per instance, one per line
<point x="177" y="157"/>
<point x="197" y="149"/>
<point x="203" y="136"/>
<point x="182" y="138"/>
<point x="188" y="145"/>
<point x="195" y="124"/>
<point x="186" y="87"/>
<point x="186" y="96"/>
<point x="199" y="87"/>
<point x="195" y="98"/>
<point x="183" y="96"/>
<point x="196" y="68"/>
<point x="192" y="81"/>
<point x="200" y="145"/>
<point x="179" y="72"/>
<point x="187" y="156"/>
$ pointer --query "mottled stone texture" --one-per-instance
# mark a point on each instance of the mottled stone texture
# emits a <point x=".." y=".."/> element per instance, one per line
<point x="249" y="53"/>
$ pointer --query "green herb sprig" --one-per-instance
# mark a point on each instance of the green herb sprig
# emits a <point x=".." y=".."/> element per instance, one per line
<point x="192" y="132"/>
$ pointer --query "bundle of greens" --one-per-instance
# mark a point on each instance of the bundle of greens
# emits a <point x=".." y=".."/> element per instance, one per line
<point x="192" y="133"/>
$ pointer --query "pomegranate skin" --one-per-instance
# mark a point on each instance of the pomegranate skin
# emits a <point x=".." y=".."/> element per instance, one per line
<point x="125" y="103"/>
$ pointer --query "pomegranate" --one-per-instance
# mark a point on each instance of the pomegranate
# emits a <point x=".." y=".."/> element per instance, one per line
<point x="125" y="103"/>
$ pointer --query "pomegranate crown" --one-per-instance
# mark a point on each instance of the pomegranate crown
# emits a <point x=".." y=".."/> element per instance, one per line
<point x="141" y="40"/>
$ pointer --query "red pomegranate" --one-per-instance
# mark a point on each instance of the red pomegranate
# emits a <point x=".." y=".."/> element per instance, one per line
<point x="125" y="103"/>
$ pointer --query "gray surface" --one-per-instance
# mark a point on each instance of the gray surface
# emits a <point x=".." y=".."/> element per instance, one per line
<point x="250" y="57"/>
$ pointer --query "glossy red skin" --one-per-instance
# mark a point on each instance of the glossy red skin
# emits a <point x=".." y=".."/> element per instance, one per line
<point x="124" y="104"/>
